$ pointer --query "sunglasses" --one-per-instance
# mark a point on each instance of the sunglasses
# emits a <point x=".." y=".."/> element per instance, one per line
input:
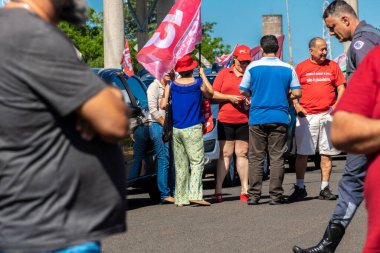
<point x="244" y="62"/>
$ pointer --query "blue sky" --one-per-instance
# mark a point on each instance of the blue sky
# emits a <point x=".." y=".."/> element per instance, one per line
<point x="240" y="21"/>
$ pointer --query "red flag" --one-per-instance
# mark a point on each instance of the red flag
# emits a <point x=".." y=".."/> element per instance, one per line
<point x="126" y="61"/>
<point x="176" y="36"/>
<point x="256" y="52"/>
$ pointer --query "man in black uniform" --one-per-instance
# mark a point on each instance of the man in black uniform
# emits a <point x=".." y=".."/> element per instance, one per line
<point x="344" y="24"/>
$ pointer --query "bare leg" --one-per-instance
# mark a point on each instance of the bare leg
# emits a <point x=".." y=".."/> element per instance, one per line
<point x="241" y="151"/>
<point x="301" y="164"/>
<point x="226" y="152"/>
<point x="326" y="166"/>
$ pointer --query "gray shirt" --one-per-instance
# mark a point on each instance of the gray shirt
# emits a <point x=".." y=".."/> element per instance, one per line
<point x="155" y="93"/>
<point x="365" y="38"/>
<point x="56" y="189"/>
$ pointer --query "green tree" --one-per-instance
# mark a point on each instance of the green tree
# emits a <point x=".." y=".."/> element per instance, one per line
<point x="211" y="46"/>
<point x="88" y="38"/>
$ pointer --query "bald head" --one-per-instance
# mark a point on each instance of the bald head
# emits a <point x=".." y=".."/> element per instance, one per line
<point x="318" y="50"/>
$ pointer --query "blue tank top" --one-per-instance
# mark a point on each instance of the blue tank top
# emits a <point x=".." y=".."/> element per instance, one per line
<point x="187" y="104"/>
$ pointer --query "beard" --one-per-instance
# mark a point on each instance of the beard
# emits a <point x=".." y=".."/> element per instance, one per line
<point x="71" y="11"/>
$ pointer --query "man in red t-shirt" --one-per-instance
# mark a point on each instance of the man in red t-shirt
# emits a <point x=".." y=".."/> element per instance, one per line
<point x="320" y="79"/>
<point x="233" y="132"/>
<point x="356" y="129"/>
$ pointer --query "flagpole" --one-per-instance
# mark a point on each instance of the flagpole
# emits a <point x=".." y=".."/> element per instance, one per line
<point x="200" y="56"/>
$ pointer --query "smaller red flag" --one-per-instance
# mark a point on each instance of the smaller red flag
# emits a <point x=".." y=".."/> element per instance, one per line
<point x="126" y="61"/>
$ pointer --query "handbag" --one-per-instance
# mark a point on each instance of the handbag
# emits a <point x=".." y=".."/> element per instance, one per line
<point x="167" y="131"/>
<point x="208" y="123"/>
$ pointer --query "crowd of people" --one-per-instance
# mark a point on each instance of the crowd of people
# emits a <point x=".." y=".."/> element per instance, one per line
<point x="62" y="171"/>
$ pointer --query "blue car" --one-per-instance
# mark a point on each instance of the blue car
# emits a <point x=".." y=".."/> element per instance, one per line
<point x="134" y="93"/>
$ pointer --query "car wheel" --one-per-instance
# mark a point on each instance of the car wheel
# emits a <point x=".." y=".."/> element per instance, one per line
<point x="231" y="177"/>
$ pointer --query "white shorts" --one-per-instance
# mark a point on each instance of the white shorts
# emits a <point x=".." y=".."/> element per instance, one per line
<point x="313" y="133"/>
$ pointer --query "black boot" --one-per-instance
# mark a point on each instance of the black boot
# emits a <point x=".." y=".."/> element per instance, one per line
<point x="331" y="239"/>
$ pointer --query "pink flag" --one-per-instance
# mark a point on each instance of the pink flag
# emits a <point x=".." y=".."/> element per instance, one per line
<point x="176" y="36"/>
<point x="256" y="52"/>
<point x="126" y="61"/>
<point x="341" y="59"/>
<point x="225" y="59"/>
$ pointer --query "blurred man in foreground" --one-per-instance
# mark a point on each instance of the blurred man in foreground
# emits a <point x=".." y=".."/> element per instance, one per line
<point x="61" y="170"/>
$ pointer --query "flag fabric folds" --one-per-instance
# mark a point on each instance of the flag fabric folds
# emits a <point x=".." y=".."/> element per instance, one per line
<point x="225" y="59"/>
<point x="126" y="61"/>
<point x="176" y="36"/>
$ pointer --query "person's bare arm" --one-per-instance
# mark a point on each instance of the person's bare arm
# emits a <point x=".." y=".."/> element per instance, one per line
<point x="355" y="133"/>
<point x="206" y="88"/>
<point x="245" y="93"/>
<point x="340" y="89"/>
<point x="299" y="109"/>
<point x="165" y="98"/>
<point x="220" y="97"/>
<point x="295" y="94"/>
<point x="105" y="114"/>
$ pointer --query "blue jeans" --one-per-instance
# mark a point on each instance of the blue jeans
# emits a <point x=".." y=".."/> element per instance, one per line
<point x="141" y="137"/>
<point x="88" y="247"/>
<point x="165" y="172"/>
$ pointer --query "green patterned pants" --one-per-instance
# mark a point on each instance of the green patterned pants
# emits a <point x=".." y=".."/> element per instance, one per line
<point x="189" y="159"/>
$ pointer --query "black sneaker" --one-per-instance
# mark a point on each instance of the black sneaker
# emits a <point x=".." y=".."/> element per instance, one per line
<point x="326" y="194"/>
<point x="298" y="194"/>
<point x="278" y="201"/>
<point x="253" y="201"/>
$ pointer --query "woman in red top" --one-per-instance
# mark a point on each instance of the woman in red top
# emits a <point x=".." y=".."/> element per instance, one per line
<point x="232" y="122"/>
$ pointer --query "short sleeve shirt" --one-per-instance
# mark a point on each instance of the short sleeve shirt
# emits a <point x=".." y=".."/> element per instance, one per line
<point x="56" y="189"/>
<point x="269" y="81"/>
<point x="227" y="82"/>
<point x="318" y="85"/>
<point x="365" y="38"/>
<point x="362" y="95"/>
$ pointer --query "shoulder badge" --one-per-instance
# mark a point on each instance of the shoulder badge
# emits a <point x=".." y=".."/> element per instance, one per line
<point x="358" y="44"/>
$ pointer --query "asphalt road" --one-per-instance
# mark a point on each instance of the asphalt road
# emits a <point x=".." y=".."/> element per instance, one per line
<point x="233" y="226"/>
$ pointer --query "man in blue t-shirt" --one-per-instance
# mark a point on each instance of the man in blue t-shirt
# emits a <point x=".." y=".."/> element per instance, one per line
<point x="268" y="82"/>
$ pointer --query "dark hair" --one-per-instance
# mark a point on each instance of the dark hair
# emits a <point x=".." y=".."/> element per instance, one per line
<point x="338" y="7"/>
<point x="313" y="41"/>
<point x="269" y="44"/>
<point x="188" y="73"/>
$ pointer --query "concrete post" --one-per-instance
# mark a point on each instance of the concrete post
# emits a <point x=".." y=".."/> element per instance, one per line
<point x="113" y="32"/>
<point x="272" y="25"/>
<point x="163" y="7"/>
<point x="141" y="13"/>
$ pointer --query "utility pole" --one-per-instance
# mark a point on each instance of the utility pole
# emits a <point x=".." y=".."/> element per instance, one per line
<point x="163" y="7"/>
<point x="113" y="32"/>
<point x="289" y="34"/>
<point x="354" y="5"/>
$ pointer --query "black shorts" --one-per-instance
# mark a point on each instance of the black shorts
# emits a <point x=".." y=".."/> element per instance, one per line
<point x="232" y="132"/>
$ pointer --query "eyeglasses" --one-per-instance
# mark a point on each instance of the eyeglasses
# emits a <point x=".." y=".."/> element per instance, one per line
<point x="244" y="62"/>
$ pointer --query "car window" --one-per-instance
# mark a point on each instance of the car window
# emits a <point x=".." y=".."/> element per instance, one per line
<point x="138" y="91"/>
